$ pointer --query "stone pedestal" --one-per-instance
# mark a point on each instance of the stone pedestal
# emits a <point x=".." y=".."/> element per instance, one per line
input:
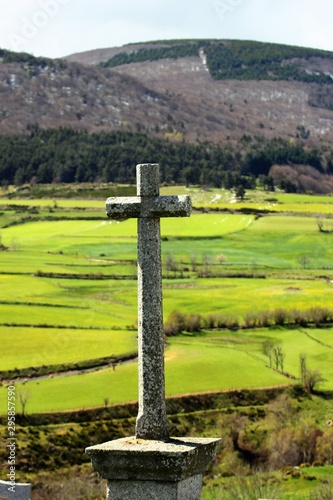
<point x="141" y="469"/>
<point x="15" y="491"/>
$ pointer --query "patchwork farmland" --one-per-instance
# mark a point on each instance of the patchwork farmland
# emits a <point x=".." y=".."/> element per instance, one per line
<point x="68" y="294"/>
<point x="238" y="276"/>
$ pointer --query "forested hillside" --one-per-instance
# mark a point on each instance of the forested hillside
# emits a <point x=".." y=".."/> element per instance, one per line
<point x="211" y="112"/>
<point x="66" y="155"/>
<point x="239" y="60"/>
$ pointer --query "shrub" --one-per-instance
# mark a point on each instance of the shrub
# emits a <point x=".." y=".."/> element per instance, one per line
<point x="250" y="320"/>
<point x="178" y="322"/>
<point x="320" y="315"/>
<point x="299" y="317"/>
<point x="280" y="316"/>
<point x="264" y="318"/>
<point x="193" y="323"/>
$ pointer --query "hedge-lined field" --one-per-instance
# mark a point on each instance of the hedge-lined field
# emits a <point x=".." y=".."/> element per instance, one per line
<point x="68" y="292"/>
<point x="42" y="346"/>
<point x="194" y="363"/>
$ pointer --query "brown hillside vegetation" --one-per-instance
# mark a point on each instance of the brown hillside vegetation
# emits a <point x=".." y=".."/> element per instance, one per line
<point x="307" y="179"/>
<point x="233" y="107"/>
<point x="174" y="98"/>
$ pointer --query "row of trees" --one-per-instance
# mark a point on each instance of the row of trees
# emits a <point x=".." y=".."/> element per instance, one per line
<point x="178" y="322"/>
<point x="241" y="60"/>
<point x="172" y="51"/>
<point x="65" y="155"/>
<point x="247" y="60"/>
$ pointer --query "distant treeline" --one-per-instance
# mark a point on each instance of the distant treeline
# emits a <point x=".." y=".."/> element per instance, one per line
<point x="226" y="59"/>
<point x="245" y="60"/>
<point x="240" y="60"/>
<point x="154" y="54"/>
<point x="65" y="155"/>
<point x="8" y="56"/>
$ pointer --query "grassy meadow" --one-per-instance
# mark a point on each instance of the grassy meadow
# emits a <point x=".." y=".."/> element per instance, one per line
<point x="68" y="293"/>
<point x="250" y="273"/>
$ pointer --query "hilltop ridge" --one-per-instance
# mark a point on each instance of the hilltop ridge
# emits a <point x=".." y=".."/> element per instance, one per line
<point x="220" y="112"/>
<point x="186" y="89"/>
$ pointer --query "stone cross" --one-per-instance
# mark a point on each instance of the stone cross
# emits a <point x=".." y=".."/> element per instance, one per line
<point x="148" y="207"/>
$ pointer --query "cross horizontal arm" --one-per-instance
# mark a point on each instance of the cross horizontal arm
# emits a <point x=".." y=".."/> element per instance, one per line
<point x="155" y="206"/>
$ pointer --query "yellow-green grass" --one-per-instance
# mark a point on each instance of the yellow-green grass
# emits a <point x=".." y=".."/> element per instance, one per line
<point x="31" y="261"/>
<point x="316" y="344"/>
<point x="31" y="300"/>
<point x="268" y="243"/>
<point x="217" y="198"/>
<point x="303" y="198"/>
<point x="308" y="485"/>
<point x="258" y="200"/>
<point x="57" y="235"/>
<point x="214" y="195"/>
<point x="63" y="317"/>
<point x="305" y="484"/>
<point x="54" y="204"/>
<point x="237" y="297"/>
<point x="79" y="293"/>
<point x="306" y="208"/>
<point x="27" y="347"/>
<point x="286" y="224"/>
<point x="278" y="241"/>
<point x="272" y="241"/>
<point x="201" y="363"/>
<point x="113" y="303"/>
<point x="190" y="368"/>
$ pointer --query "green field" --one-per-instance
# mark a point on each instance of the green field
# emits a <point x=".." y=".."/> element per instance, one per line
<point x="42" y="346"/>
<point x="209" y="361"/>
<point x="68" y="326"/>
<point x="68" y="292"/>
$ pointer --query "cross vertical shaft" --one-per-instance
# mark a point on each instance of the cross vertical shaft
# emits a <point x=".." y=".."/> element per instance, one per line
<point x="149" y="464"/>
<point x="152" y="420"/>
<point x="148" y="207"/>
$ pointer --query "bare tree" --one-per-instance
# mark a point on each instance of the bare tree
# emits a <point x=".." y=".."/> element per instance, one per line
<point x="206" y="263"/>
<point x="281" y="411"/>
<point x="320" y="224"/>
<point x="267" y="349"/>
<point x="24" y="396"/>
<point x="302" y="368"/>
<point x="310" y="379"/>
<point x="170" y="263"/>
<point x="304" y="261"/>
<point x="221" y="258"/>
<point x="194" y="262"/>
<point x="278" y="356"/>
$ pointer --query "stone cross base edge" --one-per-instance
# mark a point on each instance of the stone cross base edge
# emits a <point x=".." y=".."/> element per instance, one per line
<point x="146" y="469"/>
<point x="15" y="491"/>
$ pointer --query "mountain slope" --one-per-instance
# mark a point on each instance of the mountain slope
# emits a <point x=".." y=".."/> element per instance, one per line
<point x="172" y="96"/>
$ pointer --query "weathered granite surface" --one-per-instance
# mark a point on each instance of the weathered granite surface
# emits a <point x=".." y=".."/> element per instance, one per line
<point x="151" y="422"/>
<point x="148" y="207"/>
<point x="156" y="206"/>
<point x="151" y="460"/>
<point x="188" y="489"/>
<point x="15" y="491"/>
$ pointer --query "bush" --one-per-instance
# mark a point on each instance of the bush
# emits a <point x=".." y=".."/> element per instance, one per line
<point x="320" y="315"/>
<point x="280" y="317"/>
